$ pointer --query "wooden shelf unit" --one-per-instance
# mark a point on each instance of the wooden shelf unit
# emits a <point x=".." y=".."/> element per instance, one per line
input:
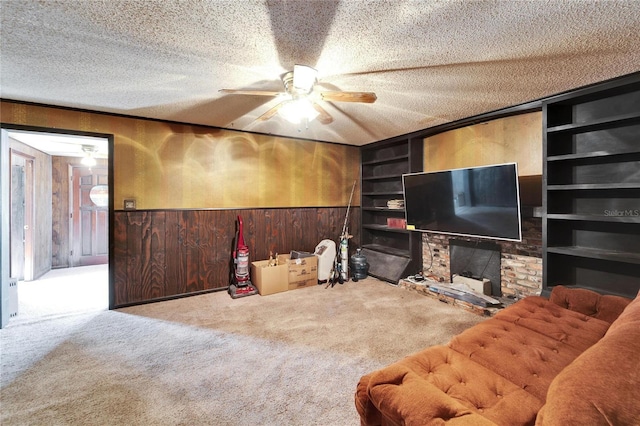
<point x="591" y="188"/>
<point x="382" y="166"/>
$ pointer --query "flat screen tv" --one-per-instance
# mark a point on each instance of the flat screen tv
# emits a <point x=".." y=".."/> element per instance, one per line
<point x="479" y="202"/>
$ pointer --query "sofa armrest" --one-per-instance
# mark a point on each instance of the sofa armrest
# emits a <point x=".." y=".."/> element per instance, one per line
<point x="441" y="386"/>
<point x="590" y="303"/>
<point x="403" y="397"/>
<point x="369" y="414"/>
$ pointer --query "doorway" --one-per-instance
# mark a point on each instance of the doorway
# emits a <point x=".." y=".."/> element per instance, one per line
<point x="59" y="221"/>
<point x="89" y="217"/>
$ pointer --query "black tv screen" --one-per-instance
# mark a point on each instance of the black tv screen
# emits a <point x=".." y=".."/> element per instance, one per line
<point x="477" y="201"/>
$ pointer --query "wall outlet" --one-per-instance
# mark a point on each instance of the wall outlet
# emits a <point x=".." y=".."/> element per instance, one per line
<point x="129" y="204"/>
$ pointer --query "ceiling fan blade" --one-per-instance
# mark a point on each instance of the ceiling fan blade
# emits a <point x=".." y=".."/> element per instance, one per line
<point x="366" y="97"/>
<point x="270" y="113"/>
<point x="251" y="92"/>
<point x="323" y="116"/>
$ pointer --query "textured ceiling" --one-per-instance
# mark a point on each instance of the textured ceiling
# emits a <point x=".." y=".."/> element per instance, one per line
<point x="429" y="62"/>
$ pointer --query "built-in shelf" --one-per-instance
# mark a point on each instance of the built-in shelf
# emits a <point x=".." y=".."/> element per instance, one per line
<point x="383" y="209"/>
<point x="383" y="177"/>
<point x="384" y="228"/>
<point x="385" y="160"/>
<point x="396" y="252"/>
<point x="632" y="218"/>
<point x="597" y="155"/>
<point x="593" y="186"/>
<point x="592" y="253"/>
<point x="600" y="124"/>
<point x="592" y="196"/>
<point x="382" y="193"/>
<point x="598" y="289"/>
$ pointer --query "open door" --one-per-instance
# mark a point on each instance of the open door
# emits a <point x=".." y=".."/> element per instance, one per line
<point x="21" y="221"/>
<point x="89" y="221"/>
<point x="17" y="223"/>
<point x="5" y="188"/>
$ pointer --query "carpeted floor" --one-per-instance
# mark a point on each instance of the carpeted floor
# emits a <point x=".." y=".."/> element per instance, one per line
<point x="291" y="358"/>
<point x="62" y="292"/>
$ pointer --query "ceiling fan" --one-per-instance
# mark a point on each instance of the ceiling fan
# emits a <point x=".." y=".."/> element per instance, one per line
<point x="299" y="99"/>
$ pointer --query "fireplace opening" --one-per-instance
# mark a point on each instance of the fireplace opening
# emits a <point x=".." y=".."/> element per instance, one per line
<point x="478" y="260"/>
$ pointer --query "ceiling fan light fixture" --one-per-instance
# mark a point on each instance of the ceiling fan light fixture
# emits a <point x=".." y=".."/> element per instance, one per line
<point x="298" y="110"/>
<point x="88" y="159"/>
<point x="304" y="77"/>
<point x="298" y="101"/>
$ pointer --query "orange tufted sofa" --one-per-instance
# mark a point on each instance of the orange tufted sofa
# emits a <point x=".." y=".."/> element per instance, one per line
<point x="572" y="359"/>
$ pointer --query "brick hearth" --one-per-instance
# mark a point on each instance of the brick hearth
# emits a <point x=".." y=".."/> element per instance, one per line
<point x="423" y="288"/>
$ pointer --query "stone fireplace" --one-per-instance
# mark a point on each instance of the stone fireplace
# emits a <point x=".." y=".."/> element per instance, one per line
<point x="515" y="267"/>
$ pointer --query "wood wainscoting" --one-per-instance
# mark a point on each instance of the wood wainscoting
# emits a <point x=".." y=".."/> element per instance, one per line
<point x="162" y="254"/>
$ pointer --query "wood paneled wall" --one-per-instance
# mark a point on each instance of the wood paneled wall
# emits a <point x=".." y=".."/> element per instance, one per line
<point x="166" y="165"/>
<point x="516" y="138"/>
<point x="190" y="182"/>
<point x="511" y="139"/>
<point x="161" y="254"/>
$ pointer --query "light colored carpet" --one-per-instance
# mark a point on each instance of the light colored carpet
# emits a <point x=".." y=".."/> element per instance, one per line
<point x="291" y="358"/>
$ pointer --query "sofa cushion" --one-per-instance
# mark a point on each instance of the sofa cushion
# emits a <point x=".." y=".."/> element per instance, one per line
<point x="602" y="386"/>
<point x="446" y="387"/>
<point x="518" y="354"/>
<point x="538" y="314"/>
<point x="604" y="307"/>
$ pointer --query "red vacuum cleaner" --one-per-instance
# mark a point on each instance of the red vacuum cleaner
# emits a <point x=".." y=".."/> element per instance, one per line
<point x="240" y="282"/>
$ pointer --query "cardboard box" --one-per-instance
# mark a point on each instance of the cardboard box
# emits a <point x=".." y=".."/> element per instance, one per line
<point x="303" y="272"/>
<point x="479" y="286"/>
<point x="270" y="279"/>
